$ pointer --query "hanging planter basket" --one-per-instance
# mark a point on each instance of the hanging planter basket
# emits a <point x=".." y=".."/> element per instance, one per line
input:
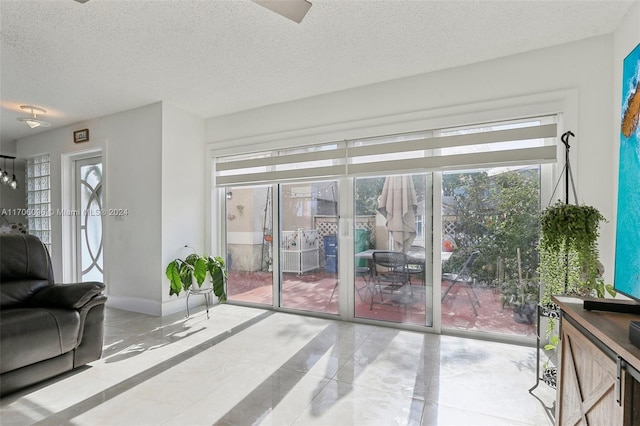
<point x="571" y="226"/>
<point x="569" y="252"/>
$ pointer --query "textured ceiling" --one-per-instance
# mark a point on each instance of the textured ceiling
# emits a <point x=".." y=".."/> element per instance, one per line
<point x="81" y="61"/>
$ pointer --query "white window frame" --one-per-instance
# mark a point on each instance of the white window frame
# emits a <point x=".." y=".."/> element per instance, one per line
<point x="562" y="103"/>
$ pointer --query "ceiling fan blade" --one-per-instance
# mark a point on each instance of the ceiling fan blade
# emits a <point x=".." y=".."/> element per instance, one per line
<point x="291" y="9"/>
<point x="82" y="1"/>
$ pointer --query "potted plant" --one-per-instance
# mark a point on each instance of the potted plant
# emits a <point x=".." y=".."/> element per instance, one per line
<point x="569" y="252"/>
<point x="569" y="264"/>
<point x="522" y="295"/>
<point x="181" y="274"/>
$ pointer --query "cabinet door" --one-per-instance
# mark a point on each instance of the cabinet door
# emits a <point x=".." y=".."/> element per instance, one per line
<point x="587" y="388"/>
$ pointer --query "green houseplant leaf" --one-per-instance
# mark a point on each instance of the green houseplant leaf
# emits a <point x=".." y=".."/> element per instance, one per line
<point x="181" y="274"/>
<point x="218" y="274"/>
<point x="200" y="271"/>
<point x="173" y="273"/>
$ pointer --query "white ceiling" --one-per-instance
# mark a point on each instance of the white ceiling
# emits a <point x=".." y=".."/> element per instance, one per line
<point x="81" y="61"/>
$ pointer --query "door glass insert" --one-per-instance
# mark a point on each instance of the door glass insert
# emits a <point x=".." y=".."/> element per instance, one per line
<point x="249" y="229"/>
<point x="393" y="255"/>
<point x="309" y="246"/>
<point x="91" y="215"/>
<point x="490" y="234"/>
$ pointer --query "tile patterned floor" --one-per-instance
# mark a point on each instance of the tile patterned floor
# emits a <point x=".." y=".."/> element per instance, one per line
<point x="247" y="366"/>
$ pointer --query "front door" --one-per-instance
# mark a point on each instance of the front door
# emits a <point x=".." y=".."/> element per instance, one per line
<point x="90" y="214"/>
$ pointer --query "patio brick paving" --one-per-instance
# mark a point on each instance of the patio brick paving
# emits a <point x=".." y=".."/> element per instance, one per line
<point x="312" y="292"/>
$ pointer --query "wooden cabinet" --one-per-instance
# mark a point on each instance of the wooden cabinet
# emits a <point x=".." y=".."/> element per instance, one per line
<point x="598" y="380"/>
<point x="587" y="393"/>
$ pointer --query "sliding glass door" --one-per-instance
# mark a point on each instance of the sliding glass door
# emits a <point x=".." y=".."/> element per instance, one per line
<point x="305" y="267"/>
<point x="249" y="236"/>
<point x="490" y="234"/>
<point x="484" y="279"/>
<point x="431" y="229"/>
<point x="393" y="217"/>
<point x="486" y="271"/>
<point x="304" y="263"/>
<point x="309" y="246"/>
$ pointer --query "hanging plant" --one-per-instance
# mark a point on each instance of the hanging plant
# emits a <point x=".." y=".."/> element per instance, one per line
<point x="569" y="252"/>
<point x="569" y="264"/>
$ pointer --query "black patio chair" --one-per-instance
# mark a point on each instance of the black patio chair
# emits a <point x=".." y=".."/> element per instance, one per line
<point x="464" y="278"/>
<point x="390" y="272"/>
<point x="416" y="263"/>
<point x="365" y="273"/>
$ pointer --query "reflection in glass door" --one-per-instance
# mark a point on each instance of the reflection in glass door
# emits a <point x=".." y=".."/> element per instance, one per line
<point x="300" y="251"/>
<point x="89" y="190"/>
<point x="490" y="234"/>
<point x="249" y="227"/>
<point x="308" y="246"/>
<point x="393" y="218"/>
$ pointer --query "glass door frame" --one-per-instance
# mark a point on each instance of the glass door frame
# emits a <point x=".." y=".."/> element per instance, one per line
<point x="346" y="261"/>
<point x="69" y="204"/>
<point x="432" y="237"/>
<point x="560" y="104"/>
<point x="278" y="279"/>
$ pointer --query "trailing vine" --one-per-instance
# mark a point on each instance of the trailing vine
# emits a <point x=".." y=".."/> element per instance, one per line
<point x="569" y="252"/>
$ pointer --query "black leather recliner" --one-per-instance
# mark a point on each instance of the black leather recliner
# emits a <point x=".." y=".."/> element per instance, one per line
<point x="45" y="328"/>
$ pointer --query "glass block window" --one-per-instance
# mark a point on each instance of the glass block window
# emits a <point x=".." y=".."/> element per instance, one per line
<point x="39" y="198"/>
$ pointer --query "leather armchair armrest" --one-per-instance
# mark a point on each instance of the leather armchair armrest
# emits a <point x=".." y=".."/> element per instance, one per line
<point x="71" y="296"/>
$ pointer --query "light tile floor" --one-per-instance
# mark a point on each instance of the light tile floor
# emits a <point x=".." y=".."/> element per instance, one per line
<point x="246" y="366"/>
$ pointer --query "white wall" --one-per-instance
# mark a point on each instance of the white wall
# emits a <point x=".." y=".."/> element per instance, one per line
<point x="154" y="166"/>
<point x="183" y="193"/>
<point x="131" y="143"/>
<point x="584" y="68"/>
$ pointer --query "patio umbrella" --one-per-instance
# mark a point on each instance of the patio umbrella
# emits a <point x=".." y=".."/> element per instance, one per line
<point x="398" y="204"/>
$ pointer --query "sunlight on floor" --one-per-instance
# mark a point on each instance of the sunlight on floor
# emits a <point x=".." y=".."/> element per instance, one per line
<point x="250" y="366"/>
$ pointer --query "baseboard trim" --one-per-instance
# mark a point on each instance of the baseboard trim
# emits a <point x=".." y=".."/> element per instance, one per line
<point x="135" y="304"/>
<point x="152" y="307"/>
